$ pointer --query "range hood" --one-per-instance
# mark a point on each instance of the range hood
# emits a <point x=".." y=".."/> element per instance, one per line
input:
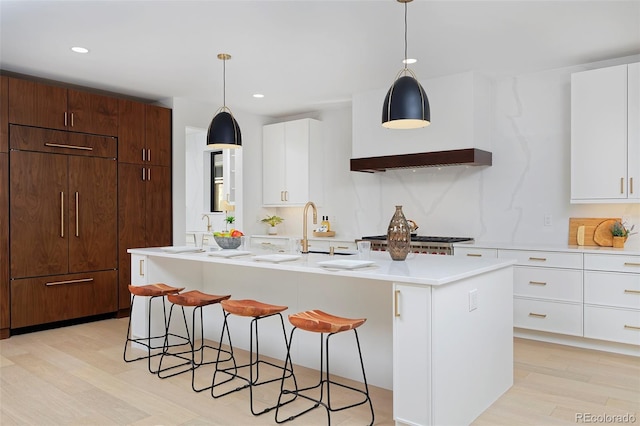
<point x="456" y="157"/>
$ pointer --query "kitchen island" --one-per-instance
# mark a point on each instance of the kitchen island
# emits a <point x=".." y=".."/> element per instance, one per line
<point x="438" y="331"/>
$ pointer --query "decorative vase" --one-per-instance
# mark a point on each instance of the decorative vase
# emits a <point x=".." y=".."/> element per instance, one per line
<point x="618" y="242"/>
<point x="272" y="230"/>
<point x="398" y="236"/>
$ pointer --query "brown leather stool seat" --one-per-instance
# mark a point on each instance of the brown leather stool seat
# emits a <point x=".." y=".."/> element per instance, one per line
<point x="257" y="311"/>
<point x="151" y="343"/>
<point x="317" y="321"/>
<point x="197" y="300"/>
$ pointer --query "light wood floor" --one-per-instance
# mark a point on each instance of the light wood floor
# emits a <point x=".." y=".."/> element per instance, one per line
<point x="75" y="375"/>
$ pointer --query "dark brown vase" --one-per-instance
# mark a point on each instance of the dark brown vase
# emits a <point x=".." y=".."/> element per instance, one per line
<point x="398" y="236"/>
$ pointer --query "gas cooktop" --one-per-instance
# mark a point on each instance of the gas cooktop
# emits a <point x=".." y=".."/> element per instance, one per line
<point x="425" y="239"/>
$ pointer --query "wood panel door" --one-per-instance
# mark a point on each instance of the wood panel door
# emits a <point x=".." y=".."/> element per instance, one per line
<point x="158" y="207"/>
<point x="131" y="222"/>
<point x="93" y="228"/>
<point x="37" y="104"/>
<point x="4" y="245"/>
<point x="92" y="113"/>
<point x="131" y="128"/>
<point x="39" y="200"/>
<point x="158" y="135"/>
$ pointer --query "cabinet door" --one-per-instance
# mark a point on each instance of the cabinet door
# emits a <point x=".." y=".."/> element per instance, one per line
<point x="4" y="113"/>
<point x="39" y="202"/>
<point x="599" y="134"/>
<point x="131" y="223"/>
<point x="633" y="129"/>
<point x="93" y="226"/>
<point x="36" y="104"/>
<point x="273" y="164"/>
<point x="412" y="354"/>
<point x="158" y="135"/>
<point x="4" y="243"/>
<point x="297" y="161"/>
<point x="131" y="141"/>
<point x="158" y="207"/>
<point x="91" y="113"/>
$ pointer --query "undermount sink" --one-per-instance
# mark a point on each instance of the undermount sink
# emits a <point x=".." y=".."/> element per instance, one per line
<point x="335" y="252"/>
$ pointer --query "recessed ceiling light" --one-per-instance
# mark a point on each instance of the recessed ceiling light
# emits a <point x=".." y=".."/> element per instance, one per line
<point x="409" y="61"/>
<point x="79" y="49"/>
<point x="258" y="95"/>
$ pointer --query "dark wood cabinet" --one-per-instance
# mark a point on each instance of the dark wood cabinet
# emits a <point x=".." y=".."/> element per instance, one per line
<point x="144" y="190"/>
<point x="42" y="105"/>
<point x="4" y="246"/>
<point x="4" y="113"/>
<point x="48" y="299"/>
<point x="63" y="212"/>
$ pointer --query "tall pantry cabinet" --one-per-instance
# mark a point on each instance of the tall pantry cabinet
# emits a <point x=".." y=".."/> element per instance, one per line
<point x="66" y="199"/>
<point x="144" y="162"/>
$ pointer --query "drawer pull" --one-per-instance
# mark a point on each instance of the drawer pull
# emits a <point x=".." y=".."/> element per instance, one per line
<point x="266" y="244"/>
<point x="537" y="283"/>
<point x="474" y="255"/>
<point x="142" y="267"/>
<point x="631" y="327"/>
<point x="631" y="264"/>
<point x="626" y="291"/>
<point x="343" y="247"/>
<point x="396" y="304"/>
<point x="83" y="280"/>
<point x="539" y="259"/>
<point x="59" y="145"/>
<point x="533" y="314"/>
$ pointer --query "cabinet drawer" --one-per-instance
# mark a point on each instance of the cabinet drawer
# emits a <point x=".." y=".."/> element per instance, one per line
<point x="475" y="252"/>
<point x="325" y="244"/>
<point x="554" y="317"/>
<point x="617" y="325"/>
<point x="612" y="289"/>
<point x="44" y="140"/>
<point x="271" y="243"/>
<point x="544" y="258"/>
<point x="57" y="298"/>
<point x="544" y="283"/>
<point x="617" y="263"/>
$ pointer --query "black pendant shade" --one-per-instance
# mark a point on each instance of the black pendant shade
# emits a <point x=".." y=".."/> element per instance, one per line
<point x="224" y="132"/>
<point x="406" y="105"/>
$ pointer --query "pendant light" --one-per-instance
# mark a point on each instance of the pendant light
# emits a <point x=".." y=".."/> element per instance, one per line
<point x="406" y="105"/>
<point x="224" y="131"/>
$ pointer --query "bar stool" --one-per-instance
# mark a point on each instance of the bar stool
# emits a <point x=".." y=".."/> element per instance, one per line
<point x="258" y="311"/>
<point x="197" y="300"/>
<point x="320" y="322"/>
<point x="152" y="291"/>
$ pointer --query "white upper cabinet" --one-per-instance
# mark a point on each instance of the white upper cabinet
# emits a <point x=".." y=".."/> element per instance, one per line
<point x="292" y="163"/>
<point x="605" y="135"/>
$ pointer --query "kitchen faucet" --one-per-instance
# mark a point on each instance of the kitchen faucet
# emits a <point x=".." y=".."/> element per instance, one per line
<point x="208" y="222"/>
<point x="305" y="240"/>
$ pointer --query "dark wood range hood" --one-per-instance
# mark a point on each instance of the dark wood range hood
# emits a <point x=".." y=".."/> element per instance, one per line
<point x="456" y="157"/>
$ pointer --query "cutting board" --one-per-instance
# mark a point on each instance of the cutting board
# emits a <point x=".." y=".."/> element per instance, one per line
<point x="590" y="225"/>
<point x="602" y="235"/>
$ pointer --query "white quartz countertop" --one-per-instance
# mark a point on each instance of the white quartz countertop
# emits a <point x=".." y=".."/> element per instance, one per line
<point x="423" y="269"/>
<point x="631" y="248"/>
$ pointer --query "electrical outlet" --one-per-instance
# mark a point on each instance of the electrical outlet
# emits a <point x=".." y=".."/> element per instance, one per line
<point x="333" y="220"/>
<point x="548" y="220"/>
<point x="473" y="299"/>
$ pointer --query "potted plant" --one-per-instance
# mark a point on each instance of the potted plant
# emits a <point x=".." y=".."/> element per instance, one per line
<point x="620" y="233"/>
<point x="229" y="221"/>
<point x="272" y="221"/>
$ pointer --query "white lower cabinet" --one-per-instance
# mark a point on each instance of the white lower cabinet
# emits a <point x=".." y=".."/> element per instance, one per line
<point x="613" y="324"/>
<point x="553" y="317"/>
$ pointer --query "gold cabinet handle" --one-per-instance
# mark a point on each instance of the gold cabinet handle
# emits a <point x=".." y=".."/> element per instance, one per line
<point x="343" y="247"/>
<point x="266" y="244"/>
<point x="149" y="154"/>
<point x="631" y="327"/>
<point x="61" y="145"/>
<point x="539" y="259"/>
<point x="83" y="280"/>
<point x="396" y="303"/>
<point x="142" y="267"/>
<point x="631" y="264"/>
<point x="144" y="155"/>
<point x="627" y="291"/>
<point x="533" y="314"/>
<point x="537" y="283"/>
<point x="77" y="212"/>
<point x="62" y="214"/>
<point x="148" y="173"/>
<point x="143" y="174"/>
<point x="65" y="119"/>
<point x="71" y="119"/>
<point x="474" y="255"/>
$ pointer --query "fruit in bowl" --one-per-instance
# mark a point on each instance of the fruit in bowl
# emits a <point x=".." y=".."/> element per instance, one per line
<point x="228" y="239"/>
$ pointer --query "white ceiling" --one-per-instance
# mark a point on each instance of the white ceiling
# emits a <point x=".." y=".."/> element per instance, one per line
<point x="302" y="55"/>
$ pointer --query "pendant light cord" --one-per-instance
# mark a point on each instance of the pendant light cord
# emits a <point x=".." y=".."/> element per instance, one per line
<point x="224" y="83"/>
<point x="405" y="36"/>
